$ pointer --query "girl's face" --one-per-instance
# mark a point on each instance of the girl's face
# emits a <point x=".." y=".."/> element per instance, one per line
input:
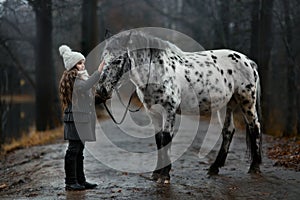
<point x="80" y="65"/>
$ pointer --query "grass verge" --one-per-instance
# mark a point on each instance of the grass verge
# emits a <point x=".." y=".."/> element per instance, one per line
<point x="34" y="138"/>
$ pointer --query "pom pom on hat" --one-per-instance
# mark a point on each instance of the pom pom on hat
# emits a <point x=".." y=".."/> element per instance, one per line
<point x="70" y="58"/>
<point x="63" y="49"/>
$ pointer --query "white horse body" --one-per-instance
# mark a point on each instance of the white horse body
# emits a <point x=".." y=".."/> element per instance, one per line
<point x="206" y="92"/>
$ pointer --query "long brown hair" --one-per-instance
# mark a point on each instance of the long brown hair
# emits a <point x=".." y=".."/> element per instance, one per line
<point x="66" y="85"/>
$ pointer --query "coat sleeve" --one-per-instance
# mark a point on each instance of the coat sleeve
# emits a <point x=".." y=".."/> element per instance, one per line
<point x="83" y="85"/>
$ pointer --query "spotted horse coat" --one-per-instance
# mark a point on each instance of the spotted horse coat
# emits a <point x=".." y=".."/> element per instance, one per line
<point x="189" y="83"/>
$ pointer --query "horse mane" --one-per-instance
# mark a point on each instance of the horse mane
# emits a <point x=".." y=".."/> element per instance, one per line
<point x="133" y="40"/>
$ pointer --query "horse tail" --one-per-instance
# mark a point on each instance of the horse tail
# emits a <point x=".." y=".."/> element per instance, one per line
<point x="258" y="98"/>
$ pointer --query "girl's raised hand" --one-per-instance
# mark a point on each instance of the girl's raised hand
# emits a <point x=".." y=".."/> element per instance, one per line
<point x="100" y="68"/>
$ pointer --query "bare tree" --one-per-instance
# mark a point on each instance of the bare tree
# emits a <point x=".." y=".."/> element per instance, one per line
<point x="47" y="112"/>
<point x="261" y="45"/>
<point x="89" y="26"/>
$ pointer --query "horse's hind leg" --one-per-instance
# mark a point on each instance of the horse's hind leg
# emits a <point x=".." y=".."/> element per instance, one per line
<point x="254" y="140"/>
<point x="227" y="133"/>
<point x="253" y="133"/>
<point x="254" y="143"/>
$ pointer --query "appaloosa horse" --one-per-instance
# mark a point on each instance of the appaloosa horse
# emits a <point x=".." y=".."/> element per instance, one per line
<point x="185" y="83"/>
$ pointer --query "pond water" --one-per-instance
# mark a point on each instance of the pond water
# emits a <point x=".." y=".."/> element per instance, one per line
<point x="16" y="121"/>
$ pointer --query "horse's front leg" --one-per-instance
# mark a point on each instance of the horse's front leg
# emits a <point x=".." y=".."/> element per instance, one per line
<point x="163" y="141"/>
<point x="157" y="122"/>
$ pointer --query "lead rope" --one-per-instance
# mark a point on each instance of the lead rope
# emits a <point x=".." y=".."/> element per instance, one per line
<point x="120" y="99"/>
<point x="129" y="102"/>
<point x="112" y="117"/>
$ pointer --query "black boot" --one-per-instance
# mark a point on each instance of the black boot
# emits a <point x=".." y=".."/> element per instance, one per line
<point x="70" y="171"/>
<point x="88" y="185"/>
<point x="74" y="187"/>
<point x="80" y="174"/>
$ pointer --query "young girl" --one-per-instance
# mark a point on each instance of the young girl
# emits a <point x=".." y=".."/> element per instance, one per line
<point x="77" y="100"/>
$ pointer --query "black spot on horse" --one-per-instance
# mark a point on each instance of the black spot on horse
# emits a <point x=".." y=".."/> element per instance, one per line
<point x="160" y="91"/>
<point x="253" y="65"/>
<point x="209" y="73"/>
<point x="230" y="86"/>
<point x="255" y="75"/>
<point x="214" y="57"/>
<point x="196" y="73"/>
<point x="249" y="113"/>
<point x="187" y="78"/>
<point x="225" y="80"/>
<point x="222" y="72"/>
<point x="245" y="102"/>
<point x="249" y="86"/>
<point x="161" y="62"/>
<point x="246" y="64"/>
<point x="229" y="71"/>
<point x="237" y="56"/>
<point x="173" y="66"/>
<point x="253" y="95"/>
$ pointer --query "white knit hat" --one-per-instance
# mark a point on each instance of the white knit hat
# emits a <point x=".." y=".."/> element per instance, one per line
<point x="71" y="58"/>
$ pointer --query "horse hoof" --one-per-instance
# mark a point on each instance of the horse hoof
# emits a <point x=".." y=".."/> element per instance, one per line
<point x="154" y="176"/>
<point x="160" y="180"/>
<point x="213" y="171"/>
<point x="164" y="180"/>
<point x="254" y="170"/>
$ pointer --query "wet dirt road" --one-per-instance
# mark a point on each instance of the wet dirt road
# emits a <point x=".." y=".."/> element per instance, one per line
<point x="37" y="172"/>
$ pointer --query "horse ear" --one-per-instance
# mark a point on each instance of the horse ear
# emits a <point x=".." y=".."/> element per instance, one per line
<point x="129" y="38"/>
<point x="107" y="34"/>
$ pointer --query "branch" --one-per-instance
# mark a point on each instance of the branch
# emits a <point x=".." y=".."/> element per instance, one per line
<point x="175" y="18"/>
<point x="18" y="64"/>
<point x="30" y="40"/>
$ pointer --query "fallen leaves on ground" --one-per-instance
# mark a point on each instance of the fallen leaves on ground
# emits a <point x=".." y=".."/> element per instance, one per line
<point x="285" y="152"/>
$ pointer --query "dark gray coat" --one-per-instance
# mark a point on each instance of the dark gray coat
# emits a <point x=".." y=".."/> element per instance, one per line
<point x="80" y="116"/>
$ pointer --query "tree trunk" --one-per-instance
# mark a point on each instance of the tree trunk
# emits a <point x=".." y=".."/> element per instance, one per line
<point x="261" y="45"/>
<point x="298" y="102"/>
<point x="47" y="113"/>
<point x="291" y="73"/>
<point x="89" y="26"/>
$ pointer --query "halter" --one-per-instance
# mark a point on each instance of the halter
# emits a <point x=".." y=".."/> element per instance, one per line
<point x="129" y="102"/>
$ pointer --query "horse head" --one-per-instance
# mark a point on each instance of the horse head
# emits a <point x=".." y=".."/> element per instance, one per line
<point x="117" y="63"/>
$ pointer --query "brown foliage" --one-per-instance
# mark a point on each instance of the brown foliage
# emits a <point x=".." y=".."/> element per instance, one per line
<point x="286" y="152"/>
